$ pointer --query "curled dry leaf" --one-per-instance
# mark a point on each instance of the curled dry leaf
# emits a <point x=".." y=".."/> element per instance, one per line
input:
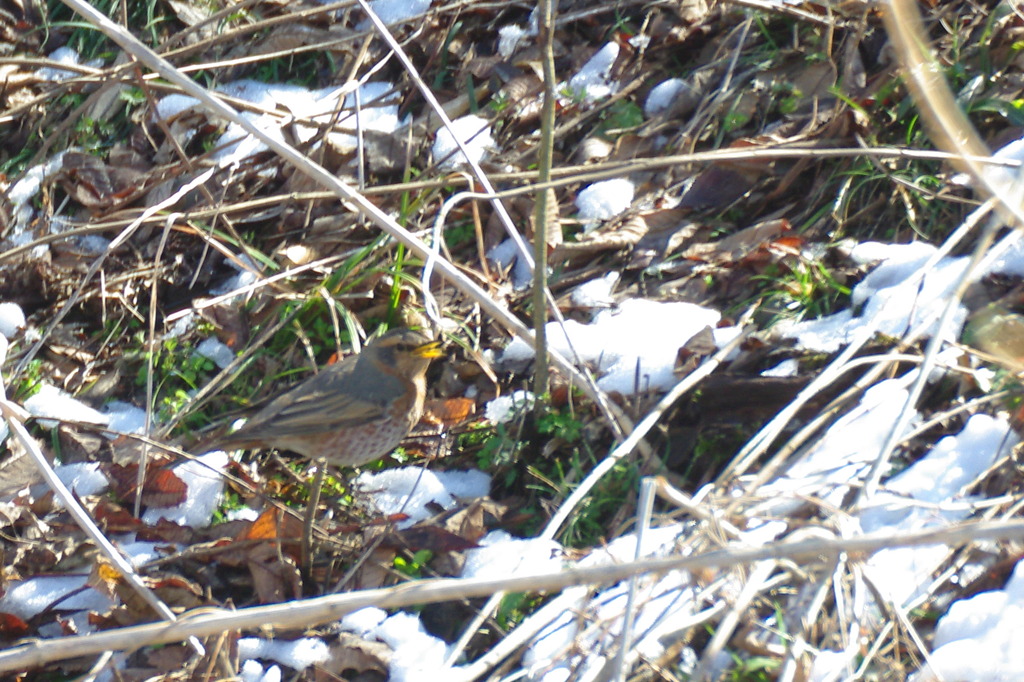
<point x="353" y="653"/>
<point x="740" y="245"/>
<point x="448" y="412"/>
<point x="161" y="488"/>
<point x="93" y="183"/>
<point x="524" y="101"/>
<point x="12" y="627"/>
<point x="425" y="536"/>
<point x="275" y="577"/>
<point x="626" y="234"/>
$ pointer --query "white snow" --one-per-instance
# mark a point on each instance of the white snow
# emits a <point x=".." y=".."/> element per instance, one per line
<point x="842" y="456"/>
<point x="569" y="646"/>
<point x="69" y="56"/>
<point x="501" y="555"/>
<point x="416" y="492"/>
<point x="597" y="293"/>
<point x="12" y="319"/>
<point x="891" y="297"/>
<point x="506" y="255"/>
<point x="897" y="294"/>
<point x="786" y="368"/>
<point x="504" y="409"/>
<point x="205" y="482"/>
<point x="474" y="133"/>
<point x="213" y="349"/>
<point x="252" y="671"/>
<point x="28" y="598"/>
<point x="310" y="109"/>
<point x="512" y="36"/>
<point x="603" y="200"/>
<point x="125" y="417"/>
<point x="24" y="190"/>
<point x="663" y="95"/>
<point x="417" y="656"/>
<point x="140" y="553"/>
<point x="82" y="478"/>
<point x="52" y="402"/>
<point x="297" y="654"/>
<point x="930" y="493"/>
<point x="394" y="11"/>
<point x="363" y="621"/>
<point x="634" y="346"/>
<point x="978" y="640"/>
<point x="999" y="176"/>
<point x="592" y="82"/>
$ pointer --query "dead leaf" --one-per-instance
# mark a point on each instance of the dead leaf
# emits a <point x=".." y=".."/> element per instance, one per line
<point x="429" y="537"/>
<point x="104" y="577"/>
<point x="275" y="577"/>
<point x="448" y="411"/>
<point x="354" y="654"/>
<point x="12" y="627"/>
<point x="162" y="487"/>
<point x="739" y="245"/>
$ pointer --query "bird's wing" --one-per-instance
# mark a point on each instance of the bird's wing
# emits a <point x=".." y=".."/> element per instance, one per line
<point x="322" y="403"/>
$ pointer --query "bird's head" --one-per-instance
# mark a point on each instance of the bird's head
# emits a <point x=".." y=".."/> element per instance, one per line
<point x="408" y="352"/>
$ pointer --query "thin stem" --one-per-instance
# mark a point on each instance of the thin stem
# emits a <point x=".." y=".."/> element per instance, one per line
<point x="546" y="22"/>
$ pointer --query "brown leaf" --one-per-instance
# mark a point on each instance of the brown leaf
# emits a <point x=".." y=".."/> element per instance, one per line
<point x="232" y="325"/>
<point x="739" y="245"/>
<point x="428" y="537"/>
<point x="169" y="657"/>
<point x="162" y="487"/>
<point x="353" y="653"/>
<point x="449" y="411"/>
<point x="669" y="231"/>
<point x="173" y="590"/>
<point x="12" y="627"/>
<point x="273" y="524"/>
<point x="375" y="571"/>
<point x="104" y="578"/>
<point x="17" y="470"/>
<point x="275" y="578"/>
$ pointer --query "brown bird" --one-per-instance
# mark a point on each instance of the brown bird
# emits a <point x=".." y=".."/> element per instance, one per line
<point x="354" y="411"/>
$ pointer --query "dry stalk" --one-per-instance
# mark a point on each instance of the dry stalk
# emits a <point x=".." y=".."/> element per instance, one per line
<point x="303" y="613"/>
<point x="546" y="26"/>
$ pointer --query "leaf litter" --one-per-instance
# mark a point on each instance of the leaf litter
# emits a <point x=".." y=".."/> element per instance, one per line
<point x="654" y="268"/>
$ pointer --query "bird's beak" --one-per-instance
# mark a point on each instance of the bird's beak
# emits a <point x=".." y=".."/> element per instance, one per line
<point x="429" y="350"/>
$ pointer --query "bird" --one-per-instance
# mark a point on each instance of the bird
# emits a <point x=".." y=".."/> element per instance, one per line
<point x="354" y="411"/>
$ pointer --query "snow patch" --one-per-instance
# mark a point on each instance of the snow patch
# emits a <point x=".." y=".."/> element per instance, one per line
<point x="978" y="638"/>
<point x="504" y="409"/>
<point x="213" y="349"/>
<point x="69" y="56"/>
<point x="604" y="200"/>
<point x="633" y="347"/>
<point x="297" y="654"/>
<point x="474" y="133"/>
<point x="205" y="481"/>
<point x="51" y="404"/>
<point x="593" y="82"/>
<point x="663" y="95"/>
<point x="12" y="319"/>
<point x="415" y="492"/>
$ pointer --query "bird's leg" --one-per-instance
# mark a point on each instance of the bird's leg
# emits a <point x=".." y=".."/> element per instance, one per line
<point x="307" y="527"/>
